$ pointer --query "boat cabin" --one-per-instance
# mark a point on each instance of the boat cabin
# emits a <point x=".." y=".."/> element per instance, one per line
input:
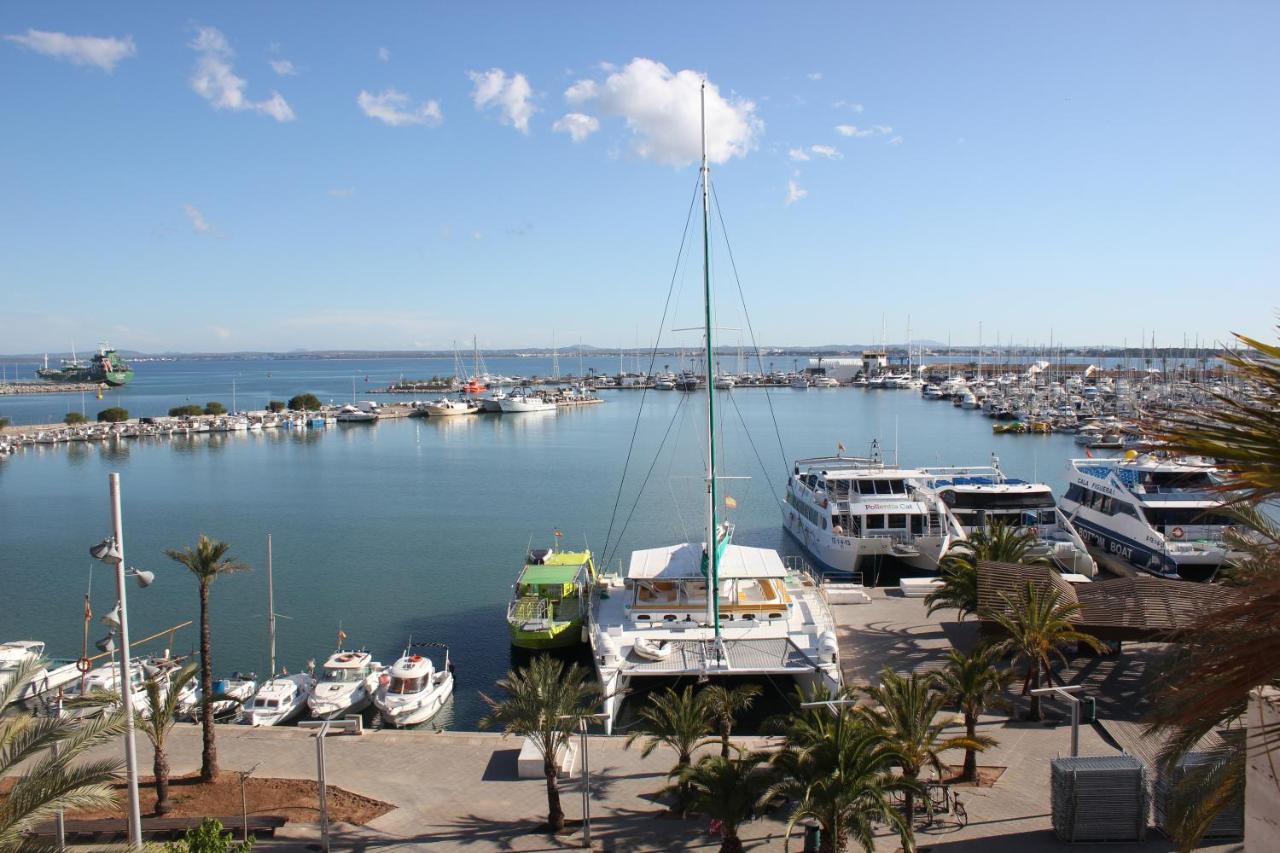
<point x="410" y="674"/>
<point x="667" y="585"/>
<point x="347" y="667"/>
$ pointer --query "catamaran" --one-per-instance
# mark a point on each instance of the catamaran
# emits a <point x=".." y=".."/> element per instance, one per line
<point x="710" y="609"/>
<point x="550" y="598"/>
<point x="1151" y="513"/>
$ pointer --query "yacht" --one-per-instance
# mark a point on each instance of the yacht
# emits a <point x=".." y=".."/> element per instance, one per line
<point x="106" y="679"/>
<point x="351" y="415"/>
<point x="492" y="402"/>
<point x="845" y="509"/>
<point x="526" y="400"/>
<point x="710" y="609"/>
<point x="412" y="690"/>
<point x="278" y="700"/>
<point x="550" y="598"/>
<point x="48" y="677"/>
<point x="236" y="692"/>
<point x="1150" y="513"/>
<point x="346" y="686"/>
<point x="977" y="496"/>
<point x="446" y="407"/>
<point x="825" y="382"/>
<point x="799" y="383"/>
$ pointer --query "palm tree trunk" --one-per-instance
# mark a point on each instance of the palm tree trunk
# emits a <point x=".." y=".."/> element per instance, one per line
<point x="209" y="753"/>
<point x="970" y="771"/>
<point x="682" y="789"/>
<point x="555" y="814"/>
<point x="1034" y="713"/>
<point x="911" y="797"/>
<point x="160" y="769"/>
<point x="731" y="843"/>
<point x="725" y="729"/>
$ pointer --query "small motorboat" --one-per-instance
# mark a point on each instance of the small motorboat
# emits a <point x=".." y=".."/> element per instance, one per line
<point x="346" y="686"/>
<point x="238" y="691"/>
<point x="280" y="699"/>
<point x="412" y="690"/>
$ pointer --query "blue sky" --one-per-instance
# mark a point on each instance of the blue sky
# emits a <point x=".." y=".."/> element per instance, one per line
<point x="1086" y="170"/>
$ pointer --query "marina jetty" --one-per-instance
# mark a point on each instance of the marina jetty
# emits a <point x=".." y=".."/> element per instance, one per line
<point x="10" y="388"/>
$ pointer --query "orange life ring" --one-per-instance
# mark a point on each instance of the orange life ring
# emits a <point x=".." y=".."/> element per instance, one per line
<point x="415" y="658"/>
<point x="1176" y="533"/>
<point x="83" y="665"/>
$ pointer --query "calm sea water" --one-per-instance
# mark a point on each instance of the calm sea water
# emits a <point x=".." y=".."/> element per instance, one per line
<point x="410" y="527"/>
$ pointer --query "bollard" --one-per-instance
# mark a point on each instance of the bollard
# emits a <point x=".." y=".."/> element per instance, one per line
<point x="812" y="838"/>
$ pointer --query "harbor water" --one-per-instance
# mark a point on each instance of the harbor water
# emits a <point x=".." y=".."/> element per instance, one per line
<point x="417" y="527"/>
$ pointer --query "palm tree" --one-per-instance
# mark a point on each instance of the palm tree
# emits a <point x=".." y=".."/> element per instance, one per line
<point x="997" y="542"/>
<point x="51" y="784"/>
<point x="681" y="721"/>
<point x="725" y="703"/>
<point x="973" y="682"/>
<point x="1039" y="625"/>
<point x="907" y="714"/>
<point x="207" y="561"/>
<point x="1206" y="686"/>
<point x="725" y="790"/>
<point x="838" y="770"/>
<point x="162" y="699"/>
<point x="544" y="703"/>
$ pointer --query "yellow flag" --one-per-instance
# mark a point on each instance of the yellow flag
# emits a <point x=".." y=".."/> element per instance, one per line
<point x="730" y="502"/>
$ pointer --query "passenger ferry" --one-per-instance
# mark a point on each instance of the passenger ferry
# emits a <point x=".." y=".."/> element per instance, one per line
<point x="844" y="509"/>
<point x="1151" y="514"/>
<point x="977" y="496"/>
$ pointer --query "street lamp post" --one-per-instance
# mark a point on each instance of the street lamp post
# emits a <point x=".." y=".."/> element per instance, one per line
<point x="1066" y="692"/>
<point x="586" y="772"/>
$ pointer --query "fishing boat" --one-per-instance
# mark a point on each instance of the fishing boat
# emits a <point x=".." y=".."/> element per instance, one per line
<point x="845" y="510"/>
<point x="526" y="400"/>
<point x="550" y="598"/>
<point x="710" y="609"/>
<point x="346" y="685"/>
<point x="412" y="691"/>
<point x="980" y="496"/>
<point x="349" y="414"/>
<point x="232" y="696"/>
<point x="1151" y="513"/>
<point x="448" y="407"/>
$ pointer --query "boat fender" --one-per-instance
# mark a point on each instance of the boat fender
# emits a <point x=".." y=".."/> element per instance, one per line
<point x="828" y="647"/>
<point x="384" y="679"/>
<point x="1176" y="533"/>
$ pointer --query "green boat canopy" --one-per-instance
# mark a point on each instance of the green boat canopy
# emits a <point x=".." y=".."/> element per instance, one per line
<point x="550" y="575"/>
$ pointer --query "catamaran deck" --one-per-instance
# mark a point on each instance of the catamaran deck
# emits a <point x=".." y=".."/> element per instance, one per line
<point x="749" y="657"/>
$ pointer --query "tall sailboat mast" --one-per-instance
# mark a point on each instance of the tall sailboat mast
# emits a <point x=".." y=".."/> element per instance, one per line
<point x="713" y="569"/>
<point x="271" y="612"/>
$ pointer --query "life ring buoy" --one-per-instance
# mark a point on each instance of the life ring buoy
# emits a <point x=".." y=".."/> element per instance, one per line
<point x="83" y="665"/>
<point x="415" y="658"/>
<point x="1176" y="533"/>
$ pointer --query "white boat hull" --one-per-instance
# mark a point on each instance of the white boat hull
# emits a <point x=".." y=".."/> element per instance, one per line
<point x="404" y="711"/>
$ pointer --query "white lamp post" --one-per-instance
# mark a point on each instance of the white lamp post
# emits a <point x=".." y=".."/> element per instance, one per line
<point x="1066" y="692"/>
<point x="586" y="772"/>
<point x="111" y="552"/>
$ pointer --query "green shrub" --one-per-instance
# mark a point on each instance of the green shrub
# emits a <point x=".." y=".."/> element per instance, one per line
<point x="305" y="403"/>
<point x="113" y="415"/>
<point x="213" y="407"/>
<point x="73" y="418"/>
<point x="276" y="406"/>
<point x="189" y="410"/>
<point x="209" y="837"/>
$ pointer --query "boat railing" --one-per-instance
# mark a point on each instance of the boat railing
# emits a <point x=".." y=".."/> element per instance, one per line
<point x="527" y="608"/>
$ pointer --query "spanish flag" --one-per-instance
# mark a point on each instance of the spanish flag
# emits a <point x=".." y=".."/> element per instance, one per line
<point x="730" y="502"/>
<point x="342" y="636"/>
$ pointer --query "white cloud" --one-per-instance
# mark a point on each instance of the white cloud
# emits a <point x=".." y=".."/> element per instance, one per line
<point x="98" y="51"/>
<point x="661" y="109"/>
<point x="794" y="193"/>
<point x="284" y="68"/>
<point x="198" y="223"/>
<point x="342" y="192"/>
<point x="384" y="55"/>
<point x="798" y="154"/>
<point x="396" y="109"/>
<point x="512" y="96"/>
<point x="897" y="140"/>
<point x="847" y="105"/>
<point x="814" y="75"/>
<point x="216" y="82"/>
<point x="863" y="132"/>
<point x="828" y="151"/>
<point x="578" y="125"/>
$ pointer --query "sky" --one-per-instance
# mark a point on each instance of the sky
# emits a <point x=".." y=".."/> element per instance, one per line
<point x="246" y="176"/>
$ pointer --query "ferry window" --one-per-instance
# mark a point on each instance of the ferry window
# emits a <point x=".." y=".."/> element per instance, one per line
<point x="875" y="522"/>
<point x="1105" y="504"/>
<point x="883" y="487"/>
<point x="1048" y="517"/>
<point x="897" y="487"/>
<point x="1124" y="508"/>
<point x="866" y="487"/>
<point x="1077" y="493"/>
<point x="917" y="525"/>
<point x="898" y="521"/>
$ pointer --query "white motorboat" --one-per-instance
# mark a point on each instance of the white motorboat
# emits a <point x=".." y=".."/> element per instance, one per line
<point x="412" y="690"/>
<point x="280" y="699"/>
<point x="239" y="691"/>
<point x="824" y="382"/>
<point x="45" y="680"/>
<point x="447" y="407"/>
<point x="846" y="509"/>
<point x="349" y="414"/>
<point x="710" y="609"/>
<point x="106" y="679"/>
<point x="1151" y="513"/>
<point x="800" y="383"/>
<point x="526" y="400"/>
<point x="492" y="402"/>
<point x="978" y="496"/>
<point x="346" y="686"/>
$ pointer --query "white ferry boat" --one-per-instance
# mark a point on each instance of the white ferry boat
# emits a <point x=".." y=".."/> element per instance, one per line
<point x="710" y="609"/>
<point x="845" y="509"/>
<point x="1150" y="514"/>
<point x="977" y="496"/>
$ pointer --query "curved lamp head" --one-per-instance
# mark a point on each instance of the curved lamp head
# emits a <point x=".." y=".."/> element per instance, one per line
<point x="107" y="551"/>
<point x="145" y="578"/>
<point x="112" y="618"/>
<point x="107" y="644"/>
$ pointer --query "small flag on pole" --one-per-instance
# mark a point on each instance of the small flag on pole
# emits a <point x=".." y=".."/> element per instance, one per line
<point x="558" y="533"/>
<point x="730" y="502"/>
<point x="1088" y="452"/>
<point x="342" y="636"/>
<point x="88" y="612"/>
<point x="840" y="447"/>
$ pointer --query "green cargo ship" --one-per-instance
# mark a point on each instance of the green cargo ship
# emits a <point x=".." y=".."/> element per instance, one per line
<point x="550" y="599"/>
<point x="105" y="367"/>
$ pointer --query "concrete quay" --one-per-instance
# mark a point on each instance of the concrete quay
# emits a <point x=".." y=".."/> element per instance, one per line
<point x="458" y="791"/>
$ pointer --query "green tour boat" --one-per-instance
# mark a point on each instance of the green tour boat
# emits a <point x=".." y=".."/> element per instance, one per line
<point x="550" y="599"/>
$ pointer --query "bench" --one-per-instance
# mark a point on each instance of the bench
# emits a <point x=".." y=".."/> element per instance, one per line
<point x="110" y="830"/>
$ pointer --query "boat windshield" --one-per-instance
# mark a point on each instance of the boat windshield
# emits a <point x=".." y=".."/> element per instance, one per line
<point x="998" y="500"/>
<point x="266" y="703"/>
<point x="406" y="685"/>
<point x="1169" y="480"/>
<point x="345" y="675"/>
<point x="1173" y="516"/>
